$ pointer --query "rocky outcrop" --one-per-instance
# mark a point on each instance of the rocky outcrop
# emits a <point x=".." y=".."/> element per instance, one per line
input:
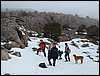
<point x="4" y="54"/>
<point x="10" y="31"/>
<point x="8" y="46"/>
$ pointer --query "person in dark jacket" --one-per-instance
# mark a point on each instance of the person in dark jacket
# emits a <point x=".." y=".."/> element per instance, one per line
<point x="42" y="47"/>
<point x="60" y="53"/>
<point x="67" y="52"/>
<point x="53" y="54"/>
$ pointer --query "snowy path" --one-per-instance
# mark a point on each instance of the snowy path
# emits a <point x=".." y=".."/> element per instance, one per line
<point x="28" y="63"/>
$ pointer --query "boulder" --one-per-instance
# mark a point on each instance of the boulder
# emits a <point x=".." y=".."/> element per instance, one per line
<point x="85" y="45"/>
<point x="18" y="54"/>
<point x="14" y="44"/>
<point x="7" y="46"/>
<point x="11" y="31"/>
<point x="4" y="55"/>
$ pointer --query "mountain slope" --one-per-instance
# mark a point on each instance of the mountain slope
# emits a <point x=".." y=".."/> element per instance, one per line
<point x="28" y="63"/>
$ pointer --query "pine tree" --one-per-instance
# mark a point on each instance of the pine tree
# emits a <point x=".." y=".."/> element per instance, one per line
<point x="52" y="30"/>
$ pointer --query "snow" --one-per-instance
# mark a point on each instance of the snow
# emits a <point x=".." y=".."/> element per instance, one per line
<point x="22" y="29"/>
<point x="28" y="63"/>
<point x="69" y="29"/>
<point x="76" y="32"/>
<point x="2" y="43"/>
<point x="34" y="33"/>
<point x="10" y="42"/>
<point x="85" y="33"/>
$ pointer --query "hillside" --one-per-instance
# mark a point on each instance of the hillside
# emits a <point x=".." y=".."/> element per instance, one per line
<point x="16" y="24"/>
<point x="35" y="20"/>
<point x="28" y="63"/>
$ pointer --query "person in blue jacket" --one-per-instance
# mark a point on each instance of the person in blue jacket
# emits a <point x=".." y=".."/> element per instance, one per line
<point x="67" y="52"/>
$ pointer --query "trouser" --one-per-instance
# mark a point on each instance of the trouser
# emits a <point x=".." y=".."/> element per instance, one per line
<point x="54" y="62"/>
<point x="42" y="51"/>
<point x="67" y="55"/>
<point x="60" y="55"/>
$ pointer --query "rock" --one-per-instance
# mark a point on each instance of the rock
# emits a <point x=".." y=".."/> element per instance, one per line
<point x="2" y="47"/>
<point x="34" y="49"/>
<point x="10" y="51"/>
<point x="97" y="61"/>
<point x="6" y="74"/>
<point x="4" y="55"/>
<point x="85" y="52"/>
<point x="18" y="54"/>
<point x="74" y="44"/>
<point x="7" y="46"/>
<point x="11" y="31"/>
<point x="85" y="45"/>
<point x="98" y="50"/>
<point x="14" y="44"/>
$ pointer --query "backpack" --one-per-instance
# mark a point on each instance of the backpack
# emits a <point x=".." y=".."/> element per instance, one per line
<point x="42" y="65"/>
<point x="69" y="50"/>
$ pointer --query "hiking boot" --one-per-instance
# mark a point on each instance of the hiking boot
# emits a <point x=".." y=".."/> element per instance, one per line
<point x="66" y="61"/>
<point x="50" y="64"/>
<point x="54" y="65"/>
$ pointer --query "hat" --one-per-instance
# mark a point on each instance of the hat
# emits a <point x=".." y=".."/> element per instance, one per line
<point x="65" y="43"/>
<point x="41" y="40"/>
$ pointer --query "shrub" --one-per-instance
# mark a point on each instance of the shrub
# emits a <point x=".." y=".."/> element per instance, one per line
<point x="52" y="30"/>
<point x="81" y="29"/>
<point x="93" y="32"/>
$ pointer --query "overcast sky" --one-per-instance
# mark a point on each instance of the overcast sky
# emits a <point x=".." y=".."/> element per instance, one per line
<point x="82" y="8"/>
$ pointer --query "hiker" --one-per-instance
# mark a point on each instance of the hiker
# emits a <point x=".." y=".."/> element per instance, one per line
<point x="52" y="54"/>
<point x="67" y="52"/>
<point x="60" y="53"/>
<point x="42" y="47"/>
<point x="50" y="46"/>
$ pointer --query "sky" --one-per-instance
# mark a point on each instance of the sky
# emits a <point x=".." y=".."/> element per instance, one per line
<point x="82" y="8"/>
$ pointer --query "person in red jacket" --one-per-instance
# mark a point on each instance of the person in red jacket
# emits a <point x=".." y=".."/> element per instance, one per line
<point x="42" y="47"/>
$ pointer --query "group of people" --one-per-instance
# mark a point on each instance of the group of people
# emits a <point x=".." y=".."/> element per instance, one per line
<point x="53" y="52"/>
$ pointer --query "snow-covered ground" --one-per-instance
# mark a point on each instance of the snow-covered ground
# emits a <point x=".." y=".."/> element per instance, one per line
<point x="28" y="63"/>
